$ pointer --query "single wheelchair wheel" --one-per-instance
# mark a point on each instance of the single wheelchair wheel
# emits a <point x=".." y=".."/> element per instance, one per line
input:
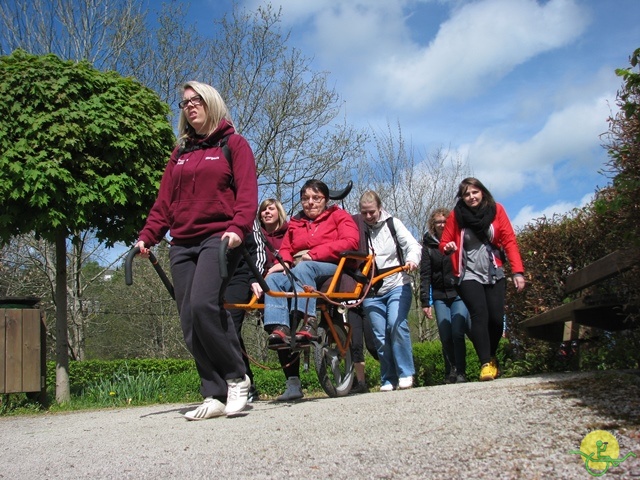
<point x="335" y="372"/>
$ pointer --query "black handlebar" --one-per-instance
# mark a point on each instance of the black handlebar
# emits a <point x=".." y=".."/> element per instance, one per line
<point x="222" y="259"/>
<point x="128" y="270"/>
<point x="224" y="272"/>
<point x="341" y="194"/>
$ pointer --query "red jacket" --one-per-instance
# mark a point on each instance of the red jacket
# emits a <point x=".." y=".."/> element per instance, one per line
<point x="504" y="239"/>
<point x="196" y="200"/>
<point x="332" y="232"/>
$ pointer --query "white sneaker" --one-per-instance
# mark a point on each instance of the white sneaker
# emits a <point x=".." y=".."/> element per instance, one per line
<point x="387" y="387"/>
<point x="405" y="382"/>
<point x="237" y="395"/>
<point x="210" y="408"/>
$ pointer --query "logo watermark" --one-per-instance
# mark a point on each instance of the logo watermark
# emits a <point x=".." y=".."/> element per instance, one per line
<point x="600" y="451"/>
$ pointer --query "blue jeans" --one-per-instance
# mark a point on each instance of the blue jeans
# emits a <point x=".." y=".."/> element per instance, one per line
<point x="276" y="309"/>
<point x="453" y="322"/>
<point x="388" y="314"/>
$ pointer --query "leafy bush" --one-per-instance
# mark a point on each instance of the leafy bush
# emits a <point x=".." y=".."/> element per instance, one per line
<point x="553" y="248"/>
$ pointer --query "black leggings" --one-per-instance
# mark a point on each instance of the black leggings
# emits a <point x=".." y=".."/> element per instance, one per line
<point x="486" y="309"/>
<point x="290" y="362"/>
<point x="362" y="334"/>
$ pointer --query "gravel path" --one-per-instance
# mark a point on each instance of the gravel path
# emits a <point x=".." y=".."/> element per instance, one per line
<point x="510" y="428"/>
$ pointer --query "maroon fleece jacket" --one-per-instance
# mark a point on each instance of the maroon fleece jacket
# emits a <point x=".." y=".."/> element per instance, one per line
<point x="196" y="199"/>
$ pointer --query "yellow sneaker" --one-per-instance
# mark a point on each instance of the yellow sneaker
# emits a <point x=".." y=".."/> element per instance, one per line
<point x="487" y="372"/>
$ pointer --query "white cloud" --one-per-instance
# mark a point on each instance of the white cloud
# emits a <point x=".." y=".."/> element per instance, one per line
<point x="570" y="135"/>
<point x="370" y="44"/>
<point x="478" y="45"/>
<point x="520" y="88"/>
<point x="529" y="213"/>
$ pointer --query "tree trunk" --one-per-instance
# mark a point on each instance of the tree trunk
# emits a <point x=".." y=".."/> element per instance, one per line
<point x="63" y="393"/>
<point x="77" y="319"/>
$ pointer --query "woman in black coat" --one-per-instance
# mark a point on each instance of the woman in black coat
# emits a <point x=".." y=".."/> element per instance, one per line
<point x="437" y="292"/>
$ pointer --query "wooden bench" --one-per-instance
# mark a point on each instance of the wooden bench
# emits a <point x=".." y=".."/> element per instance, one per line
<point x="563" y="323"/>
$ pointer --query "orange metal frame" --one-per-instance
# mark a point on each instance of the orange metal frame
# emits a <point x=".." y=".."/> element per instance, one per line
<point x="331" y="294"/>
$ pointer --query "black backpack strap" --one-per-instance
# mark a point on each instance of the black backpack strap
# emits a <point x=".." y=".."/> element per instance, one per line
<point x="223" y="144"/>
<point x="378" y="271"/>
<point x="392" y="229"/>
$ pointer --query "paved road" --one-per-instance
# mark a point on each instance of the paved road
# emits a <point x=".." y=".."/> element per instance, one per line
<point x="509" y="428"/>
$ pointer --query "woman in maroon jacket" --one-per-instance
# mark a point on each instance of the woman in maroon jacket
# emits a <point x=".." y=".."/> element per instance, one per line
<point x="476" y="235"/>
<point x="197" y="202"/>
<point x="273" y="221"/>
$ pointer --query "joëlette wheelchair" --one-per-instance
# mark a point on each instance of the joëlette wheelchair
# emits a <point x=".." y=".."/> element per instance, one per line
<point x="344" y="290"/>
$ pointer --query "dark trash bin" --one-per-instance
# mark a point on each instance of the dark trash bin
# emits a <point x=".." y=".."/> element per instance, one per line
<point x="22" y="346"/>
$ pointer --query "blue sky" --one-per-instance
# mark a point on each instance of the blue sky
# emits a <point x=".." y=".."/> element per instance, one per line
<point x="522" y="89"/>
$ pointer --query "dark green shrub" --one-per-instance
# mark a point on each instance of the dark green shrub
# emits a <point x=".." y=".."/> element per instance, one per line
<point x="429" y="363"/>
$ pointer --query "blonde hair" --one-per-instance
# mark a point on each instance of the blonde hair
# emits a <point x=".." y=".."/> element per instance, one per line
<point x="282" y="216"/>
<point x="431" y="224"/>
<point x="214" y="107"/>
<point x="370" y="196"/>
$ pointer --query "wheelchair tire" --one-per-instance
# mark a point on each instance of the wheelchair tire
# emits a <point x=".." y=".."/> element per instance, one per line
<point x="335" y="373"/>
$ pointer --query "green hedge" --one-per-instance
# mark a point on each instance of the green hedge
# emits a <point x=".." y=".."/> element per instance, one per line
<point x="121" y="381"/>
<point x="86" y="373"/>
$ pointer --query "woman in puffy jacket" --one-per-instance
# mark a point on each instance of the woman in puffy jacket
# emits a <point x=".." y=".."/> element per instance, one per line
<point x="311" y="249"/>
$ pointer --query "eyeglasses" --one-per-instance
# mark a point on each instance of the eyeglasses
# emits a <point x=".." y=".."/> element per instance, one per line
<point x="195" y="101"/>
<point x="315" y="198"/>
<point x="440" y="223"/>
